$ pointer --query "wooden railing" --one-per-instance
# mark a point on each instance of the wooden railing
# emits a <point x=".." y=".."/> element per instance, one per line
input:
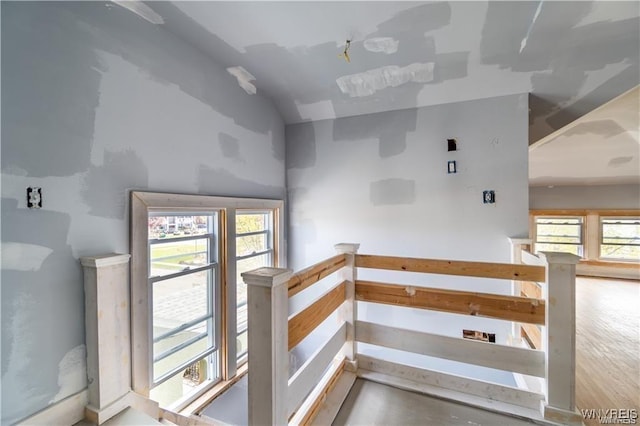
<point x="317" y="389"/>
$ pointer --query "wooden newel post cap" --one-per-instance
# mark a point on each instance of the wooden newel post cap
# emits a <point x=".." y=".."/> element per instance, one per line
<point x="267" y="277"/>
<point x="557" y="257"/>
<point x="347" y="248"/>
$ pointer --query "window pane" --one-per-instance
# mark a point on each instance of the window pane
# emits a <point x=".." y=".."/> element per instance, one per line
<point x="620" y="239"/>
<point x="252" y="222"/>
<point x="189" y="344"/>
<point x="242" y="344"/>
<point x="167" y="226"/>
<point x="560" y="234"/>
<point x="565" y="248"/>
<point x="175" y="256"/>
<point x="251" y="244"/>
<point x="186" y="381"/>
<point x="179" y="300"/>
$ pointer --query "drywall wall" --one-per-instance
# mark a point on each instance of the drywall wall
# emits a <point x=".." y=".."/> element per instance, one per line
<point x="97" y="101"/>
<point x="381" y="180"/>
<point x="585" y="197"/>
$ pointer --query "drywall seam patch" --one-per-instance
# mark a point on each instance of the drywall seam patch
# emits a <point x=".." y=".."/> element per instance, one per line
<point x="72" y="373"/>
<point x="381" y="45"/>
<point x="142" y="10"/>
<point x="244" y="78"/>
<point x="368" y="82"/>
<point x="22" y="256"/>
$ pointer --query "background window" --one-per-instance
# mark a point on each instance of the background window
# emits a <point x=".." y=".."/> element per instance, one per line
<point x="183" y="278"/>
<point x="563" y="234"/>
<point x="620" y="238"/>
<point x="254" y="249"/>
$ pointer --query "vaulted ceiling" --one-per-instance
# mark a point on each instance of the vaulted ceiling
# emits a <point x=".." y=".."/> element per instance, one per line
<point x="571" y="56"/>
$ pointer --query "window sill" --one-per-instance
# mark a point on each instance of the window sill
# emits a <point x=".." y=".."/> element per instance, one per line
<point x="205" y="399"/>
<point x="611" y="263"/>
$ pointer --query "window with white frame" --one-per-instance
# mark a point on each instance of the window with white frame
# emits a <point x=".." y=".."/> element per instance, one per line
<point x="188" y="314"/>
<point x="559" y="234"/>
<point x="254" y="249"/>
<point x="184" y="280"/>
<point x="620" y="238"/>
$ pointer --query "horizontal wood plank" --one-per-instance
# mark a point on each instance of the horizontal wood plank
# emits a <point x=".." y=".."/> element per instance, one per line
<point x="506" y="271"/>
<point x="309" y="375"/>
<point x="510" y="308"/>
<point x="305" y="321"/>
<point x="501" y="357"/>
<point x="314" y="273"/>
<point x="490" y="391"/>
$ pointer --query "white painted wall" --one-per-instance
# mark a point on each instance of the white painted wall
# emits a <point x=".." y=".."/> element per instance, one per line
<point x="95" y="102"/>
<point x="585" y="197"/>
<point x="381" y="180"/>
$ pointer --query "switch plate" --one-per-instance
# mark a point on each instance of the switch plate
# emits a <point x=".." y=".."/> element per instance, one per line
<point x="489" y="197"/>
<point x="34" y="197"/>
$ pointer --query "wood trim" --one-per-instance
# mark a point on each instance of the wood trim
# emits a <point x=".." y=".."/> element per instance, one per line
<point x="308" y="319"/>
<point x="510" y="308"/>
<point x="532" y="335"/>
<point x="68" y="411"/>
<point x="310" y="374"/>
<point x="218" y="389"/>
<point x="584" y="212"/>
<point x="506" y="271"/>
<point x="314" y="273"/>
<point x="311" y="412"/>
<point x="530" y="289"/>
<point x="426" y="380"/>
<point x="501" y="357"/>
<point x="610" y="264"/>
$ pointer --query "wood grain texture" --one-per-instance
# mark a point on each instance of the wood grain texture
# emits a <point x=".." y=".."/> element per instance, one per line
<point x="607" y="344"/>
<point x="308" y="319"/>
<point x="505" y="271"/>
<point x="531" y="289"/>
<point x="511" y="308"/>
<point x="532" y="335"/>
<point x="314" y="273"/>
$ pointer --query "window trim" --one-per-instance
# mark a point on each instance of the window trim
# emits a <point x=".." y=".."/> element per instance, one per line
<point x="592" y="232"/>
<point x="142" y="203"/>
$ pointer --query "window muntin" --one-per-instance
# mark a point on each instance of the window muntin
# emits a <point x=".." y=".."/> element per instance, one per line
<point x="184" y="287"/>
<point x="620" y="238"/>
<point x="254" y="249"/>
<point x="560" y="234"/>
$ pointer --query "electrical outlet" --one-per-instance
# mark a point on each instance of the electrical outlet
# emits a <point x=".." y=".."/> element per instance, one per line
<point x="489" y="197"/>
<point x="34" y="197"/>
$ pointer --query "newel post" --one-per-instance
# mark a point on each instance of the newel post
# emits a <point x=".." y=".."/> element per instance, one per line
<point x="559" y="338"/>
<point x="268" y="313"/>
<point x="349" y="312"/>
<point x="106" y="291"/>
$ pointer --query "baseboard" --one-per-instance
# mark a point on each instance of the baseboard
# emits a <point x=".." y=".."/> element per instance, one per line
<point x="66" y="412"/>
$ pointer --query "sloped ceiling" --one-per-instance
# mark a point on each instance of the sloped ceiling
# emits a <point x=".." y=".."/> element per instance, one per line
<point x="571" y="56"/>
<point x="601" y="147"/>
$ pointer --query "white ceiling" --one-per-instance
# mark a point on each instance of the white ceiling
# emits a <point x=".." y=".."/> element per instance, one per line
<point x="602" y="147"/>
<point x="571" y="56"/>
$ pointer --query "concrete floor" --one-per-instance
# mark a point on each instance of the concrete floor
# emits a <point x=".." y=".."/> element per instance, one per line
<point x="370" y="404"/>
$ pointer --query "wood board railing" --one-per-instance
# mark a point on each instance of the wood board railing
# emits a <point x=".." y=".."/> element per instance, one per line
<point x="285" y="399"/>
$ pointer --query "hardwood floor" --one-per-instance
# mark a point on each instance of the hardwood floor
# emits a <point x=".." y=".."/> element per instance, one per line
<point x="607" y="344"/>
